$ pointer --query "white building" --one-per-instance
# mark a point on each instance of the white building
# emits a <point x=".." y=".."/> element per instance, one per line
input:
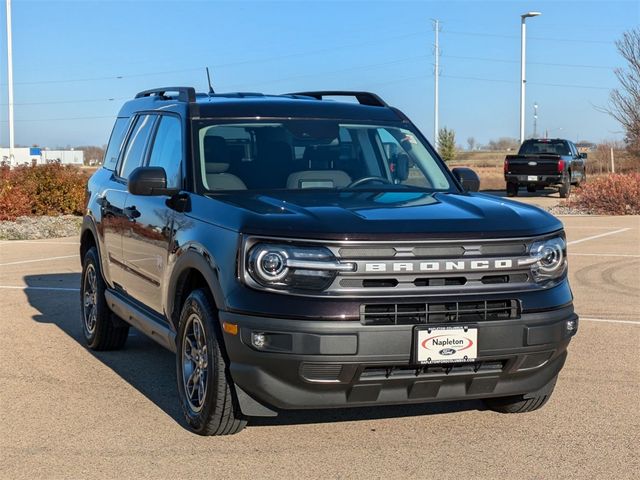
<point x="39" y="156"/>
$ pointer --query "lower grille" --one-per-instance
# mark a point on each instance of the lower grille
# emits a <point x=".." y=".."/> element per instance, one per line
<point x="412" y="371"/>
<point x="448" y="312"/>
<point x="321" y="372"/>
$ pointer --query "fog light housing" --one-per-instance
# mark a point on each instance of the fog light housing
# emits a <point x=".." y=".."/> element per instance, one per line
<point x="571" y="325"/>
<point x="258" y="339"/>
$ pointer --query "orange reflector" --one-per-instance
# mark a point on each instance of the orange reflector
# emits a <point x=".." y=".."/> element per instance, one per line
<point x="231" y="328"/>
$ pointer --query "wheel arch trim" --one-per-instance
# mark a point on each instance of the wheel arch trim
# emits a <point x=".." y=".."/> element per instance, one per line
<point x="195" y="258"/>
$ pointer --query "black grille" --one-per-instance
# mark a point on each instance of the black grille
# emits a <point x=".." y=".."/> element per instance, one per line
<point x="321" y="372"/>
<point x="410" y="371"/>
<point x="449" y="312"/>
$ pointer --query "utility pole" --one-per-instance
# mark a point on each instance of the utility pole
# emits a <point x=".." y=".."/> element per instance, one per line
<point x="613" y="165"/>
<point x="10" y="82"/>
<point x="523" y="52"/>
<point x="535" y="120"/>
<point x="436" y="73"/>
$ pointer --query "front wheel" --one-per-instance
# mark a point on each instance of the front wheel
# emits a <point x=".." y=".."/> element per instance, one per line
<point x="204" y="384"/>
<point x="522" y="403"/>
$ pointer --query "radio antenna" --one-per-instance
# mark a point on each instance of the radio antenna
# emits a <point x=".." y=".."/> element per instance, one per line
<point x="211" y="92"/>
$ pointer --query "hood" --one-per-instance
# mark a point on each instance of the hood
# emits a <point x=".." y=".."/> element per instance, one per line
<point x="367" y="215"/>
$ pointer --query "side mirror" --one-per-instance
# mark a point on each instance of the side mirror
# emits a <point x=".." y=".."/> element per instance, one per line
<point x="401" y="169"/>
<point x="583" y="155"/>
<point x="467" y="178"/>
<point x="149" y="181"/>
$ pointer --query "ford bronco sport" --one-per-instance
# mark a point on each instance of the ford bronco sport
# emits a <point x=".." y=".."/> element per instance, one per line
<point x="295" y="251"/>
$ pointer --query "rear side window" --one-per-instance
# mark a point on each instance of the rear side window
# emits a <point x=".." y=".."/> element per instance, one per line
<point x="115" y="143"/>
<point x="136" y="147"/>
<point x="167" y="149"/>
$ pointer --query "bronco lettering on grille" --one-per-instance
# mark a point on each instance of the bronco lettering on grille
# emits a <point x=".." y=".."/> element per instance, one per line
<point x="438" y="266"/>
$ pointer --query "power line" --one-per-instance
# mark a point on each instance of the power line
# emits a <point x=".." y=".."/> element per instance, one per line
<point x="504" y="60"/>
<point x="220" y="65"/>
<point x="59" y="102"/>
<point x="498" y="35"/>
<point x="499" y="80"/>
<point x="58" y="119"/>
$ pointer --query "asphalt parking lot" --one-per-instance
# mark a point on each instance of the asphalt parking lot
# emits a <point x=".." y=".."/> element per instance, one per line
<point x="66" y="412"/>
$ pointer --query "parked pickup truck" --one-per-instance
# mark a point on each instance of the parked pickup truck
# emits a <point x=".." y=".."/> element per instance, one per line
<point x="545" y="162"/>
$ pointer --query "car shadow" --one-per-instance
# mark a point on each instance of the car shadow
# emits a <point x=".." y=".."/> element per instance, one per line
<point x="144" y="364"/>
<point x="150" y="368"/>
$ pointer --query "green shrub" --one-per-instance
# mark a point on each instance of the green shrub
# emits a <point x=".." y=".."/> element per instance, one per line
<point x="51" y="189"/>
<point x="614" y="194"/>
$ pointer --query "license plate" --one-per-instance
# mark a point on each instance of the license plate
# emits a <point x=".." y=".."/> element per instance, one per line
<point x="446" y="344"/>
<point x="532" y="178"/>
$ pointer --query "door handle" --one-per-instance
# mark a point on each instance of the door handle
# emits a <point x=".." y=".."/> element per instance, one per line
<point x="131" y="212"/>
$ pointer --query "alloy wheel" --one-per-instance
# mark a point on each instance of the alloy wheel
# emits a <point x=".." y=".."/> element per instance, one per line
<point x="90" y="299"/>
<point x="195" y="362"/>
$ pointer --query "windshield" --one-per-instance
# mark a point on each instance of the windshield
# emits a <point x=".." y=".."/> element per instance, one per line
<point x="314" y="154"/>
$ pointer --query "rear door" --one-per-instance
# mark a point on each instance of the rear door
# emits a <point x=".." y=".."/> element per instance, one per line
<point x="146" y="244"/>
<point x="111" y="206"/>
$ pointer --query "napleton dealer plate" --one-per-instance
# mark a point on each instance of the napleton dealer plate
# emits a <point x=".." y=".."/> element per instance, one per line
<point x="446" y="344"/>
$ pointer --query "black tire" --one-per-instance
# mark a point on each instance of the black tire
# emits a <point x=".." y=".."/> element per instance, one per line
<point x="565" y="189"/>
<point x="101" y="329"/>
<point x="512" y="189"/>
<point x="531" y="188"/>
<point x="522" y="403"/>
<point x="216" y="410"/>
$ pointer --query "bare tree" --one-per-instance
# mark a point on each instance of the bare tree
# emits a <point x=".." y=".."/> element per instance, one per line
<point x="504" y="143"/>
<point x="471" y="142"/>
<point x="625" y="100"/>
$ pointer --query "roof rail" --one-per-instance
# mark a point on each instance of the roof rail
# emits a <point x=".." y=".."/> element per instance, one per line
<point x="364" y="98"/>
<point x="185" y="94"/>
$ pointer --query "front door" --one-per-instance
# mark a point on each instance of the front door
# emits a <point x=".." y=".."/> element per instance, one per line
<point x="147" y="242"/>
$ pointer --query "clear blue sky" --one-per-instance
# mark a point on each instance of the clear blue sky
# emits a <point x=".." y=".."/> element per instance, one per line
<point x="68" y="55"/>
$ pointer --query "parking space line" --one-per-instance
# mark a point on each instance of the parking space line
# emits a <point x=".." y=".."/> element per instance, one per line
<point x="606" y="320"/>
<point x="604" y="255"/>
<point x="36" y="242"/>
<point x="20" y="262"/>
<point x="575" y="242"/>
<point x="590" y="227"/>
<point x="28" y="287"/>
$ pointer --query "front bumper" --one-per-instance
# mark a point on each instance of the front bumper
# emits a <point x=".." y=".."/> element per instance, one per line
<point x="319" y="364"/>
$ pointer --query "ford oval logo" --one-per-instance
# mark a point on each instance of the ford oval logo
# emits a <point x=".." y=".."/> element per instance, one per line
<point x="447" y="351"/>
<point x="533" y="164"/>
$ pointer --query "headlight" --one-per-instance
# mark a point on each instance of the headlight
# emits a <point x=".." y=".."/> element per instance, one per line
<point x="293" y="267"/>
<point x="549" y="259"/>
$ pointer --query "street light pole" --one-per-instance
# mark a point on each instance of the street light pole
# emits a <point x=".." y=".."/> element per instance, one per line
<point x="10" y="81"/>
<point x="523" y="52"/>
<point x="436" y="113"/>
